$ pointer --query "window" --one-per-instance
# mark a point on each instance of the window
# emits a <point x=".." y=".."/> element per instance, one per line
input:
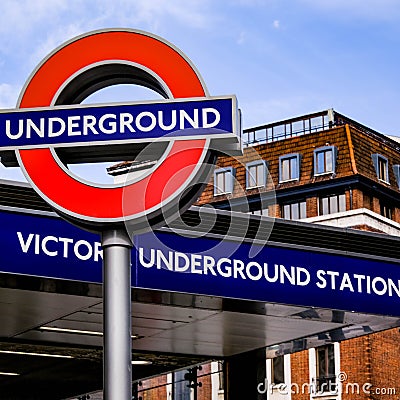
<point x="256" y="174"/>
<point x="381" y="167"/>
<point x="386" y="211"/>
<point x="223" y="181"/>
<point x="325" y="160"/>
<point x="396" y="171"/>
<point x="326" y="378"/>
<point x="181" y="389"/>
<point x="289" y="167"/>
<point x="278" y="370"/>
<point x="332" y="204"/>
<point x="262" y="211"/>
<point x="294" y="210"/>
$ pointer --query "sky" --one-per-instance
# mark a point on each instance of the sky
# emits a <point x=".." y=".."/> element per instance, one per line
<point x="281" y="58"/>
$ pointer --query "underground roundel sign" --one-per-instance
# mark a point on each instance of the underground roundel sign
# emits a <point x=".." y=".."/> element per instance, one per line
<point x="171" y="144"/>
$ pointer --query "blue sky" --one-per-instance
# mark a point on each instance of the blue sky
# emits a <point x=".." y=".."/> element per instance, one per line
<point x="281" y="58"/>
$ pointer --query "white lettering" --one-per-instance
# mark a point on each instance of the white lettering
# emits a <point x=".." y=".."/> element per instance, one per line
<point x="20" y="129"/>
<point x="146" y="264"/>
<point x="44" y="246"/>
<point x="111" y="125"/>
<point x="31" y="126"/>
<point x="151" y="126"/>
<point x="51" y="131"/>
<point x="184" y="116"/>
<point x="161" y="121"/>
<point x="65" y="242"/>
<point x="217" y="117"/>
<point x="25" y="245"/>
<point x="322" y="281"/>
<point x="125" y="121"/>
<point x="89" y="250"/>
<point x="186" y="262"/>
<point x="89" y="122"/>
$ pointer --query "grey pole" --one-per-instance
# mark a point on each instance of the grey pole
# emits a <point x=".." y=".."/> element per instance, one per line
<point x="117" y="341"/>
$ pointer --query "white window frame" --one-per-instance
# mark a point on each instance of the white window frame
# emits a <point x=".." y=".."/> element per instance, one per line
<point x="228" y="182"/>
<point x="325" y="149"/>
<point x="289" y="157"/>
<point x="274" y="391"/>
<point x="377" y="160"/>
<point x="329" y="197"/>
<point x="263" y="167"/>
<point x="312" y="366"/>
<point x="299" y="207"/>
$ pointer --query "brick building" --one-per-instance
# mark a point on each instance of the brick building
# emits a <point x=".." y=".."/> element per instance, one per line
<point x="322" y="168"/>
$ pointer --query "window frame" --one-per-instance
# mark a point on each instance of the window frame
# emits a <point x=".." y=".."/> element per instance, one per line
<point x="329" y="377"/>
<point x="281" y="359"/>
<point x="228" y="184"/>
<point x="325" y="149"/>
<point x="329" y="197"/>
<point x="291" y="156"/>
<point x="299" y="208"/>
<point x="396" y="171"/>
<point x="377" y="159"/>
<point x="257" y="163"/>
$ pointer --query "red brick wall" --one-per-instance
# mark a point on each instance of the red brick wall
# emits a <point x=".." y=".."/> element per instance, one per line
<point x="154" y="388"/>
<point x="300" y="374"/>
<point x="373" y="359"/>
<point x="355" y="363"/>
<point x="204" y="392"/>
<point x="385" y="362"/>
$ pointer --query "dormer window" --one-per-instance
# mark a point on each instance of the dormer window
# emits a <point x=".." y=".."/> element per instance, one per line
<point x="325" y="160"/>
<point x="381" y="165"/>
<point x="289" y="168"/>
<point x="256" y="174"/>
<point x="223" y="181"/>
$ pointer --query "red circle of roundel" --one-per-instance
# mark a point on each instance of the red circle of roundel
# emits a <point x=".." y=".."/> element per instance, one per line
<point x="89" y="201"/>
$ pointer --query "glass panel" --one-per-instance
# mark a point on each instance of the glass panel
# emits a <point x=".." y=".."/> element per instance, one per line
<point x="285" y="169"/>
<point x="278" y="370"/>
<point x="382" y="169"/>
<point x="320" y="162"/>
<point x="260" y="175"/>
<point x="324" y="206"/>
<point x="279" y="132"/>
<point x="303" y="210"/>
<point x="331" y="361"/>
<point x="321" y="363"/>
<point x="297" y="127"/>
<point x="328" y="161"/>
<point x="252" y="176"/>
<point x="295" y="211"/>
<point x="342" y="202"/>
<point x="260" y="135"/>
<point x="181" y="389"/>
<point x="293" y="168"/>
<point x="333" y="204"/>
<point x="286" y="211"/>
<point x="220" y="182"/>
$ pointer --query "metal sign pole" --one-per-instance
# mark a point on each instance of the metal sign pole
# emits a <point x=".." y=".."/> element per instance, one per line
<point x="117" y="362"/>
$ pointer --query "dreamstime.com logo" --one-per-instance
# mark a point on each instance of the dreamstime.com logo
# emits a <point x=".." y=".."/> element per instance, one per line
<point x="330" y="386"/>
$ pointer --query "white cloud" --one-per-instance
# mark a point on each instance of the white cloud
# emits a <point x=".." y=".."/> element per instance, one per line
<point x="276" y="24"/>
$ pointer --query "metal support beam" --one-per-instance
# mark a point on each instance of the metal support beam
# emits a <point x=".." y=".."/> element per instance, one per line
<point x="117" y="366"/>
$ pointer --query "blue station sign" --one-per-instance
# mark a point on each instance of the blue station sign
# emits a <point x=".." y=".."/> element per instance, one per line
<point x="208" y="117"/>
<point x="46" y="246"/>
